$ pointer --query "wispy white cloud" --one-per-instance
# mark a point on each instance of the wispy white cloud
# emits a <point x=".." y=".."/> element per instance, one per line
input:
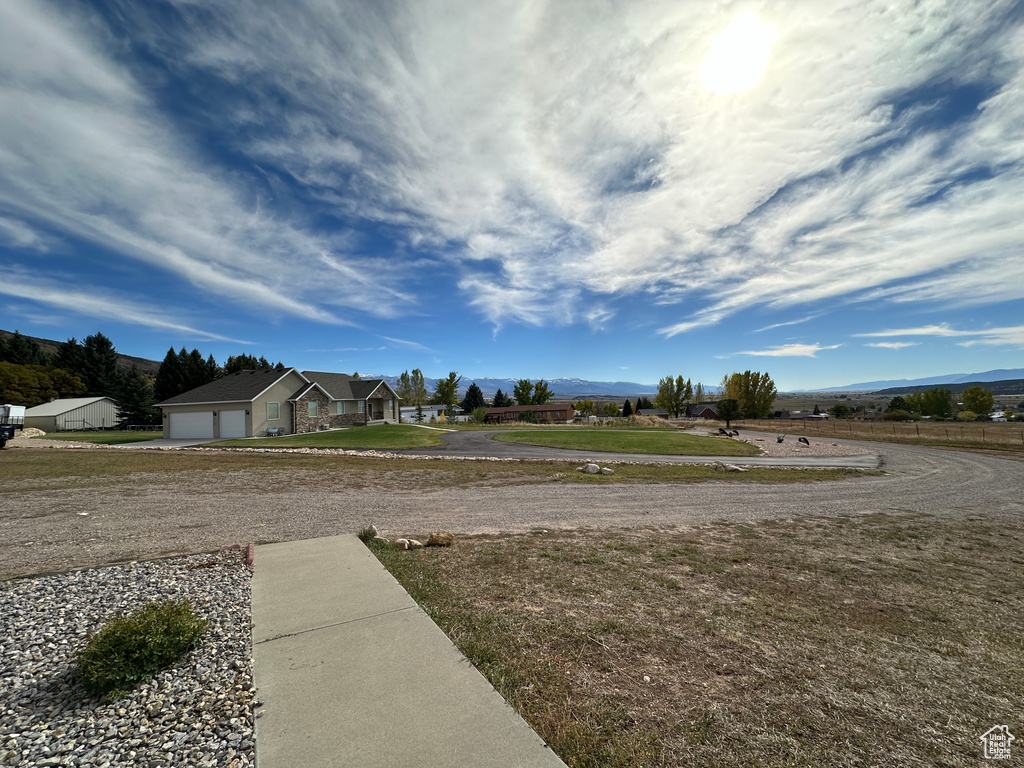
<point x="87" y="154"/>
<point x="109" y="305"/>
<point x="773" y="326"/>
<point x="1007" y="335"/>
<point x="892" y="344"/>
<point x="408" y="344"/>
<point x="790" y="350"/>
<point x="545" y="176"/>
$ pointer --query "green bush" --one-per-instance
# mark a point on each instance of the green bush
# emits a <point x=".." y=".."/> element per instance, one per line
<point x="131" y="648"/>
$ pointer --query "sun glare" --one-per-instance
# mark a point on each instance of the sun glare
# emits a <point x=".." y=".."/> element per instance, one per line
<point x="738" y="55"/>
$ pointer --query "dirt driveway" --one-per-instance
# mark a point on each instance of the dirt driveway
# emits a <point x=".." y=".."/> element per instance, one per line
<point x="49" y="527"/>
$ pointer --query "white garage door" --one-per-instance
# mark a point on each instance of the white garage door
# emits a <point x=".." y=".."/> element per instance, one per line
<point x="232" y="424"/>
<point x="195" y="425"/>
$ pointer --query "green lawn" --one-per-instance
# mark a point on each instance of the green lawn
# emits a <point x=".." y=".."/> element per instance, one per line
<point x="381" y="436"/>
<point x="641" y="441"/>
<point x="113" y="437"/>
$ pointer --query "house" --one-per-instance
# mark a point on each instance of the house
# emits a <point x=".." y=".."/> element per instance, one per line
<point x="73" y="413"/>
<point x="351" y="401"/>
<point x="701" y="411"/>
<point x="411" y="413"/>
<point x="562" y="413"/>
<point x="257" y="403"/>
<point x="656" y="413"/>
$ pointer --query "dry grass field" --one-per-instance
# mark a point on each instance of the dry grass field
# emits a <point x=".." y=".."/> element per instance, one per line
<point x="857" y="641"/>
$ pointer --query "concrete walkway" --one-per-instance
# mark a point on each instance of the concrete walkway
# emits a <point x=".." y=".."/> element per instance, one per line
<point x="352" y="672"/>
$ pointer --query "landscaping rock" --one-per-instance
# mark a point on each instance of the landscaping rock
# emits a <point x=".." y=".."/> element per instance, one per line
<point x="607" y="471"/>
<point x="402" y="543"/>
<point x="592" y="469"/>
<point x="441" y="539"/>
<point x="413" y="544"/>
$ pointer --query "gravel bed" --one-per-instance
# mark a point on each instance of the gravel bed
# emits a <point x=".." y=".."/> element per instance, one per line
<point x="198" y="714"/>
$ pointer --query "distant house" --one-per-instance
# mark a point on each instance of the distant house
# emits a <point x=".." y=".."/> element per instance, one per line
<point x="73" y="413"/>
<point x="701" y="411"/>
<point x="257" y="403"/>
<point x="560" y="413"/>
<point x="410" y="413"/>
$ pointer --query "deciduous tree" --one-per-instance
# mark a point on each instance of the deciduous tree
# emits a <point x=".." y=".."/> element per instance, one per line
<point x="523" y="392"/>
<point x="754" y="391"/>
<point x="542" y="393"/>
<point x="840" y="411"/>
<point x="673" y="395"/>
<point x="728" y="408"/>
<point x="446" y="392"/>
<point x="978" y="399"/>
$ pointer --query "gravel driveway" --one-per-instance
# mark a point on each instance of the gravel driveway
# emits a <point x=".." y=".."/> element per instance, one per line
<point x="150" y="515"/>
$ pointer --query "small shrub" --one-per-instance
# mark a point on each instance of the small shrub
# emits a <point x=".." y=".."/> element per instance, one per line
<point x="367" y="534"/>
<point x="131" y="648"/>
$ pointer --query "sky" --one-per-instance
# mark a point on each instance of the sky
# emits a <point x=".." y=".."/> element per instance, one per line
<point x="829" y="192"/>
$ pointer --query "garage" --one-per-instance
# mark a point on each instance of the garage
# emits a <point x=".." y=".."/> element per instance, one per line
<point x="192" y="425"/>
<point x="232" y="424"/>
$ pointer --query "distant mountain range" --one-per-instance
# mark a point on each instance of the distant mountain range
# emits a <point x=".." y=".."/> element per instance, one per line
<point x="564" y="389"/>
<point x="908" y="385"/>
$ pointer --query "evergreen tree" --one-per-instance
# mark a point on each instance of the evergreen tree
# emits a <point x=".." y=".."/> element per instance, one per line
<point x="170" y="378"/>
<point x="627" y="408"/>
<point x="645" y="403"/>
<point x="22" y="350"/>
<point x="213" y="370"/>
<point x="501" y="400"/>
<point x="474" y="398"/>
<point x="70" y="356"/>
<point x="99" y="370"/>
<point x="194" y="367"/>
<point x="135" y="399"/>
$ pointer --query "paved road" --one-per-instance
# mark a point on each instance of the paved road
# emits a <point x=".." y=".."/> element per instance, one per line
<point x="144" y="516"/>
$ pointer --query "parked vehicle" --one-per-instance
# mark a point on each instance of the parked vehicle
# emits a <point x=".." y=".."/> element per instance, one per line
<point x="12" y="417"/>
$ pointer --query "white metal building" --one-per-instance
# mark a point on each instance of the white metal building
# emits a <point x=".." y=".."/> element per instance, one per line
<point x="73" y="413"/>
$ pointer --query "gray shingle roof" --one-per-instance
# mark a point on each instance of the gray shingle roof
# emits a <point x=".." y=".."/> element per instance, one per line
<point x="341" y="386"/>
<point x="242" y="386"/>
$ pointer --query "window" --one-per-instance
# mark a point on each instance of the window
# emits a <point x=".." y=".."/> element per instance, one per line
<point x="340" y="407"/>
<point x="273" y="411"/>
<point x="313" y="409"/>
<point x="360" y="406"/>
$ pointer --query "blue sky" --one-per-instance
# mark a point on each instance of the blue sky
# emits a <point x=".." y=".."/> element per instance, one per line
<point x="536" y="189"/>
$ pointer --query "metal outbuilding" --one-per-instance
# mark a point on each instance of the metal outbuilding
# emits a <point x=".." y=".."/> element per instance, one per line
<point x="73" y="413"/>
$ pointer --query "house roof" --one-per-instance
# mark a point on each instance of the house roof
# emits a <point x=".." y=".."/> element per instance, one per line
<point x="57" y="407"/>
<point x="341" y="386"/>
<point x="652" y="412"/>
<point x="241" y="386"/>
